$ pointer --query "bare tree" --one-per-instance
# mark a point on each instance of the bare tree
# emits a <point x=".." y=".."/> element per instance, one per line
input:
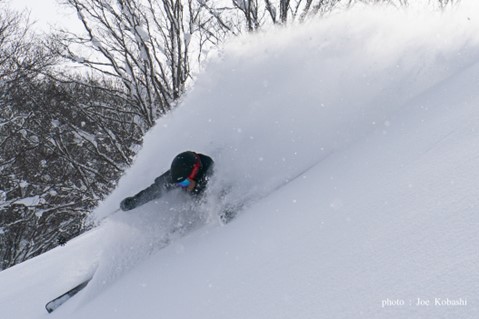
<point x="444" y="3"/>
<point x="22" y="58"/>
<point x="144" y="44"/>
<point x="20" y="54"/>
<point x="63" y="145"/>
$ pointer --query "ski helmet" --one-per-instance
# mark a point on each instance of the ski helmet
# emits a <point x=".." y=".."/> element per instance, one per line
<point x="185" y="165"/>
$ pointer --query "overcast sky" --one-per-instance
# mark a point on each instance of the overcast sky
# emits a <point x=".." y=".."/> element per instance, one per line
<point x="47" y="13"/>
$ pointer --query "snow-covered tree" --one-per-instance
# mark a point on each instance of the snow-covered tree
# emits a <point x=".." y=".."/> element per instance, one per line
<point x="63" y="147"/>
<point x="147" y="45"/>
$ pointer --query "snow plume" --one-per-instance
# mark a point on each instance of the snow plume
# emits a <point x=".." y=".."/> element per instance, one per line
<point x="276" y="103"/>
<point x="130" y="237"/>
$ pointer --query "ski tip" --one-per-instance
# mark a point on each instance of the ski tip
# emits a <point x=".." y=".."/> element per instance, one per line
<point x="60" y="300"/>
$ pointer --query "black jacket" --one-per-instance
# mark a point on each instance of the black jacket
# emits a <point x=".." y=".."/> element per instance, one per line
<point x="164" y="184"/>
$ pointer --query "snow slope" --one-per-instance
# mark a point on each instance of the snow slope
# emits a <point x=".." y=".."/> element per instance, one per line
<point x="352" y="143"/>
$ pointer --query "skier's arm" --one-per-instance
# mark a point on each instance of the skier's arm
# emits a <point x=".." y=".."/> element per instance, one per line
<point x="157" y="189"/>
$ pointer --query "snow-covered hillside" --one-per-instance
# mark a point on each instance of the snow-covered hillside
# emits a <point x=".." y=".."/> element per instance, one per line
<point x="351" y="144"/>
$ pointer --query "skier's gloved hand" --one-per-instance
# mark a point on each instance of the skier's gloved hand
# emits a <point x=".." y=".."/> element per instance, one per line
<point x="62" y="240"/>
<point x="127" y="204"/>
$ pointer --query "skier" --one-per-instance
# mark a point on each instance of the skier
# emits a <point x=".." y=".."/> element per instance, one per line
<point x="189" y="170"/>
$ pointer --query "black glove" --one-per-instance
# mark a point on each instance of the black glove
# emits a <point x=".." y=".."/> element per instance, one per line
<point x="128" y="204"/>
<point x="62" y="240"/>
